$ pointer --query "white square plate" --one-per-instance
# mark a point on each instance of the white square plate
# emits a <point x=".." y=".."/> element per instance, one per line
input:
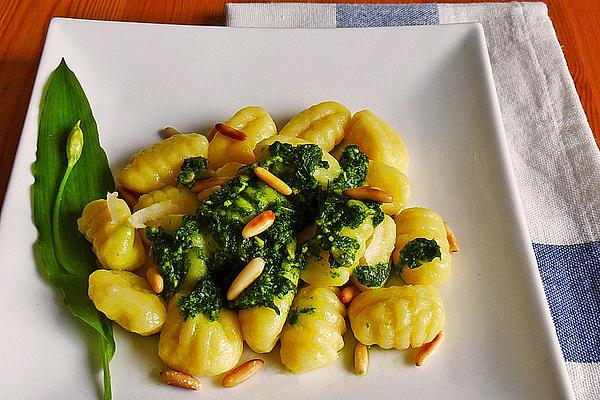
<point x="433" y="84"/>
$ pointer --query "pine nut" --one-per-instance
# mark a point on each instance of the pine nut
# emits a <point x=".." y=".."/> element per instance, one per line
<point x="267" y="177"/>
<point x="155" y="279"/>
<point x="370" y="193"/>
<point x="211" y="134"/>
<point x="242" y="373"/>
<point x="454" y="247"/>
<point x="206" y="183"/>
<point x="361" y="359"/>
<point x="428" y="349"/>
<point x="230" y="132"/>
<point x="245" y="278"/>
<point x="259" y="224"/>
<point x="176" y="378"/>
<point x="170" y="131"/>
<point x="130" y="197"/>
<point x="349" y="293"/>
<point x="205" y="194"/>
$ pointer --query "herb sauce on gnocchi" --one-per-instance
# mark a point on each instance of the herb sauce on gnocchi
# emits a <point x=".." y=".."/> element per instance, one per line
<point x="196" y="193"/>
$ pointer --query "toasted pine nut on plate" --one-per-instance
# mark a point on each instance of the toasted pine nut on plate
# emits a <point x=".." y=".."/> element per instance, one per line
<point x="179" y="379"/>
<point x="242" y="373"/>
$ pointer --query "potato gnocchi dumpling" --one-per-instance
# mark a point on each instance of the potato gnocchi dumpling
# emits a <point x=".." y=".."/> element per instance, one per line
<point x="256" y="123"/>
<point x="170" y="223"/>
<point x="126" y="298"/>
<point x="157" y="166"/>
<point x="229" y="169"/>
<point x="318" y="271"/>
<point x="391" y="181"/>
<point x="374" y="265"/>
<point x="114" y="241"/>
<point x="343" y="227"/>
<point x="322" y="124"/>
<point x="397" y="317"/>
<point x="182" y="202"/>
<point x="198" y="346"/>
<point x="421" y="232"/>
<point x="313" y="334"/>
<point x="184" y="199"/>
<point x="261" y="326"/>
<point x="377" y="139"/>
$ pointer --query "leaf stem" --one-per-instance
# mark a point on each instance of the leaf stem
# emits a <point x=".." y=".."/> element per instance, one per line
<point x="74" y="148"/>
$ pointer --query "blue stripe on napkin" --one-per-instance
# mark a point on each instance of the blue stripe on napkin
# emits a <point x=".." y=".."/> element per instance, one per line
<point x="360" y="15"/>
<point x="571" y="280"/>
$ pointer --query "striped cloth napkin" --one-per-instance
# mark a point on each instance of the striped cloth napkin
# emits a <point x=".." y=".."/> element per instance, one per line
<point x="554" y="155"/>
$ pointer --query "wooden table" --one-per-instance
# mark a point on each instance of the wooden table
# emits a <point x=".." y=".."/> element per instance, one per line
<point x="23" y="26"/>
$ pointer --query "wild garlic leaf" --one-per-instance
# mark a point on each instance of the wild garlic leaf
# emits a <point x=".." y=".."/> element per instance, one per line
<point x="64" y="256"/>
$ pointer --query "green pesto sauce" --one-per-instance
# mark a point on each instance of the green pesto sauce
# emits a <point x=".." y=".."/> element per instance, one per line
<point x="208" y="251"/>
<point x="372" y="276"/>
<point x="225" y="214"/>
<point x="169" y="258"/>
<point x="205" y="298"/>
<point x="339" y="212"/>
<point x="192" y="170"/>
<point x="297" y="166"/>
<point x="177" y="256"/>
<point x="417" y="252"/>
<point x="354" y="166"/>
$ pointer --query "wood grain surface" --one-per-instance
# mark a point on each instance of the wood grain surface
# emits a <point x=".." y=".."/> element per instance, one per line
<point x="23" y="26"/>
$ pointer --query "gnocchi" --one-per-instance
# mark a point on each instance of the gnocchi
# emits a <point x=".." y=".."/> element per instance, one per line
<point x="322" y="124"/>
<point x="105" y="223"/>
<point x="157" y="166"/>
<point x="313" y="334"/>
<point x="185" y="200"/>
<point x="425" y="225"/>
<point x="256" y="123"/>
<point x="229" y="169"/>
<point x="377" y="139"/>
<point x="182" y="202"/>
<point x="198" y="346"/>
<point x="261" y="326"/>
<point x="126" y="298"/>
<point x="397" y="317"/>
<point x="343" y="227"/>
<point x="374" y="266"/>
<point x="392" y="181"/>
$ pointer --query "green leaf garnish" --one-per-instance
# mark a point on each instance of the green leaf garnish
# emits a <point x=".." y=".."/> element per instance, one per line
<point x="419" y="251"/>
<point x="64" y="183"/>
